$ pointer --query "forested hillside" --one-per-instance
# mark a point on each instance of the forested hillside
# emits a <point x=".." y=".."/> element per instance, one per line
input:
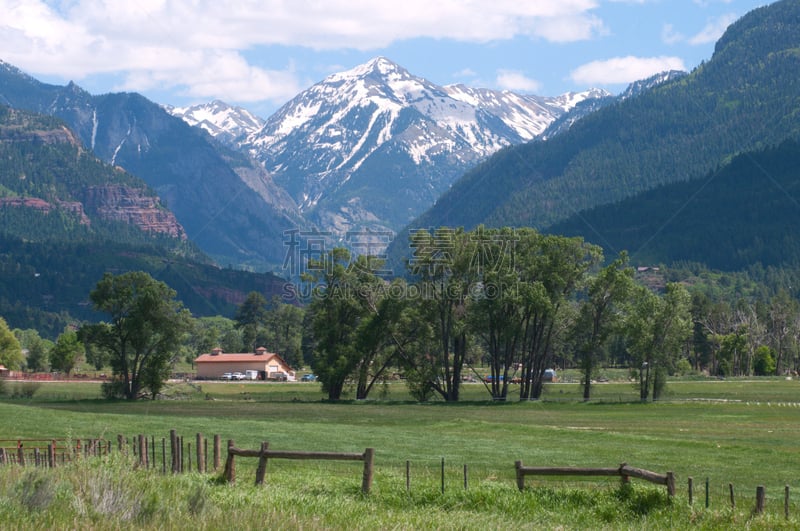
<point x="745" y="213"/>
<point x="66" y="218"/>
<point x="743" y="99"/>
<point x="226" y="202"/>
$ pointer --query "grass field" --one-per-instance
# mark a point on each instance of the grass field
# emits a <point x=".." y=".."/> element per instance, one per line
<point x="740" y="432"/>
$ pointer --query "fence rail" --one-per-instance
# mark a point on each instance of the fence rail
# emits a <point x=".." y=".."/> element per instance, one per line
<point x="624" y="471"/>
<point x="264" y="453"/>
<point x="176" y="456"/>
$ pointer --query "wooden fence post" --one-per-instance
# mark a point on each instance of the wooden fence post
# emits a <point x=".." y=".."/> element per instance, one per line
<point x="262" y="463"/>
<point x="163" y="455"/>
<point x="200" y="457"/>
<point x="761" y="496"/>
<point x="691" y="490"/>
<point x="442" y="475"/>
<point x="20" y="454"/>
<point x="120" y="442"/>
<point x="520" y="476"/>
<point x="216" y="452"/>
<point x="671" y="484"/>
<point x="51" y="454"/>
<point x="786" y="502"/>
<point x="173" y="444"/>
<point x="142" y="451"/>
<point x="465" y="476"/>
<point x="733" y="498"/>
<point x="706" y="493"/>
<point x="408" y="476"/>
<point x="2" y="456"/>
<point x="624" y="477"/>
<point x="230" y="466"/>
<point x="369" y="461"/>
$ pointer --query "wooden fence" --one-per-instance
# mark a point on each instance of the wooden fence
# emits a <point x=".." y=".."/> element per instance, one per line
<point x="49" y="452"/>
<point x="624" y="471"/>
<point x="264" y="453"/>
<point x="178" y="456"/>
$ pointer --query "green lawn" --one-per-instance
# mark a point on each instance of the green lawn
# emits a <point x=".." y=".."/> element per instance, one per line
<point x="740" y="432"/>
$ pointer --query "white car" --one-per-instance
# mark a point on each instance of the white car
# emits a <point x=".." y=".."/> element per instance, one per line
<point x="227" y="376"/>
<point x="238" y="376"/>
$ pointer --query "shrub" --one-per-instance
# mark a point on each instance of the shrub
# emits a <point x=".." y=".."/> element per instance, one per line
<point x="25" y="390"/>
<point x="36" y="491"/>
<point x="683" y="367"/>
<point x="113" y="389"/>
<point x="764" y="362"/>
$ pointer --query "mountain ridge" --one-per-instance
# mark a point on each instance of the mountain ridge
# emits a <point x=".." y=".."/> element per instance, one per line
<point x="371" y="146"/>
<point x="226" y="202"/>
<point x="737" y="101"/>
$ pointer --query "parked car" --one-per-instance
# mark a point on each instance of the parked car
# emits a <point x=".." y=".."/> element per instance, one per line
<point x="238" y="376"/>
<point x="308" y="378"/>
<point x="278" y="377"/>
<point x="227" y="376"/>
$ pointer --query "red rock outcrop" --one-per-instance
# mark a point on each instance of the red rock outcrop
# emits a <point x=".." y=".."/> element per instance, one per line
<point x="36" y="203"/>
<point x="129" y="205"/>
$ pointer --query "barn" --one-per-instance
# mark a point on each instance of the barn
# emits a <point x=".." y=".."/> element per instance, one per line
<point x="268" y="365"/>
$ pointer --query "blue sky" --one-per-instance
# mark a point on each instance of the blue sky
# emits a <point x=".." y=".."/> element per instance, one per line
<point x="259" y="54"/>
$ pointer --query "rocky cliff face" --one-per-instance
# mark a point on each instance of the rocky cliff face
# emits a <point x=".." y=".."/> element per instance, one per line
<point x="41" y="205"/>
<point x="130" y="205"/>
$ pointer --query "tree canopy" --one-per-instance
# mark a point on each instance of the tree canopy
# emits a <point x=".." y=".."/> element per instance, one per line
<point x="10" y="351"/>
<point x="143" y="333"/>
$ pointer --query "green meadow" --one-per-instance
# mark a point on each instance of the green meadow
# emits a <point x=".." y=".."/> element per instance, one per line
<point x="738" y="432"/>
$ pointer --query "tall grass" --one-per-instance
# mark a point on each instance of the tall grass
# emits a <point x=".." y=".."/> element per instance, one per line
<point x="110" y="493"/>
<point x="745" y="433"/>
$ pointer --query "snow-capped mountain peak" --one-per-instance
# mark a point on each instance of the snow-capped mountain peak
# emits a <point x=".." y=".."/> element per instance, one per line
<point x="375" y="145"/>
<point x="226" y="122"/>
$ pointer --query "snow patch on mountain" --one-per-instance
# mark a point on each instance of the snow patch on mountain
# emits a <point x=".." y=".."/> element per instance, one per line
<point x="384" y="139"/>
<point x="227" y="123"/>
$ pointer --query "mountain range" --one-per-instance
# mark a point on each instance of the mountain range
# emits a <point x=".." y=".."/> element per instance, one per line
<point x="373" y="146"/>
<point x="226" y="202"/>
<point x="66" y="218"/>
<point x="745" y="98"/>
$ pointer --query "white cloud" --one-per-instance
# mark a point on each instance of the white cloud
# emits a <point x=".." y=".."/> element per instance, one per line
<point x="516" y="81"/>
<point x="624" y="69"/>
<point x="714" y="29"/>
<point x="466" y="72"/>
<point x="706" y="3"/>
<point x="198" y="44"/>
<point x="669" y="35"/>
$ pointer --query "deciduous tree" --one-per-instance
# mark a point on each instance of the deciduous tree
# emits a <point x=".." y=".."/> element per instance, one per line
<point x="10" y="351"/>
<point x="144" y="329"/>
<point x="250" y="318"/>
<point x="657" y="328"/>
<point x="444" y="274"/>
<point x="346" y="294"/>
<point x="599" y="315"/>
<point x="67" y="352"/>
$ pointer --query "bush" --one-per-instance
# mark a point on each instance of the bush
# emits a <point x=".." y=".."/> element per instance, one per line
<point x="764" y="362"/>
<point x="683" y="367"/>
<point x="113" y="389"/>
<point x="25" y="389"/>
<point x="36" y="491"/>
